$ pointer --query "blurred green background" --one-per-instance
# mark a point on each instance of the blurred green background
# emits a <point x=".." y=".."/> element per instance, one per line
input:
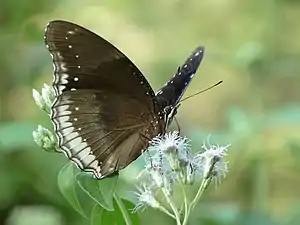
<point x="252" y="45"/>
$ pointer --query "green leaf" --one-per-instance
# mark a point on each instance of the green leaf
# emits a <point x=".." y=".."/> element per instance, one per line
<point x="101" y="216"/>
<point x="122" y="214"/>
<point x="67" y="185"/>
<point x="83" y="191"/>
<point x="101" y="191"/>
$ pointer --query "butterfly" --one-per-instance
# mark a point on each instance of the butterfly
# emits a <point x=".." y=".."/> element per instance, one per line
<point x="105" y="110"/>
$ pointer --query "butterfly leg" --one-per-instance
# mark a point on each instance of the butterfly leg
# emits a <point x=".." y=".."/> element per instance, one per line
<point x="144" y="136"/>
<point x="178" y="126"/>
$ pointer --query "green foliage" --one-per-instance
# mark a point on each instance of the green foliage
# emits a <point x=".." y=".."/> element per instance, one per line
<point x="252" y="45"/>
<point x="67" y="186"/>
<point x="101" y="191"/>
<point x="95" y="199"/>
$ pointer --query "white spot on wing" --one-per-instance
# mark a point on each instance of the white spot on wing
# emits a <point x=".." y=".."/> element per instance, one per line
<point x="66" y="131"/>
<point x="62" y="125"/>
<point x="59" y="89"/>
<point x="71" y="32"/>
<point x="62" y="108"/>
<point x="64" y="119"/>
<point x="94" y="165"/>
<point x="72" y="137"/>
<point x="81" y="152"/>
<point x="63" y="78"/>
<point x="78" y="149"/>
<point x="88" y="159"/>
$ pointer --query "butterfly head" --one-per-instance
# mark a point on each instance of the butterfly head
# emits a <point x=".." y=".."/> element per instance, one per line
<point x="170" y="112"/>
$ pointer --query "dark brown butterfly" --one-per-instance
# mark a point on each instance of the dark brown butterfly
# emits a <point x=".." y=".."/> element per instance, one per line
<point x="106" y="112"/>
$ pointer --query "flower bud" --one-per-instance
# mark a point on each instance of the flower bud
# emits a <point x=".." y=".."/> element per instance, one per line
<point x="45" y="139"/>
<point x="38" y="99"/>
<point x="48" y="95"/>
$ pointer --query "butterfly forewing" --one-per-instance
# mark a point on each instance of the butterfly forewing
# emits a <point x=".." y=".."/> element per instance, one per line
<point x="171" y="93"/>
<point x="105" y="110"/>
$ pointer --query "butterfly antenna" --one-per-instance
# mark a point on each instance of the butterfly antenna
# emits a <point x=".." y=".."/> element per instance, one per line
<point x="220" y="82"/>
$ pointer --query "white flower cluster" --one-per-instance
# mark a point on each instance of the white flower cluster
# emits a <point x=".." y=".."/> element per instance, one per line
<point x="45" y="99"/>
<point x="42" y="136"/>
<point x="45" y="139"/>
<point x="169" y="162"/>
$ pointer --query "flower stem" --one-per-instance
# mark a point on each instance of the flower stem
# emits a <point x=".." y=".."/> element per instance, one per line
<point x="123" y="209"/>
<point x="164" y="210"/>
<point x="204" y="184"/>
<point x="186" y="208"/>
<point x="173" y="207"/>
<point x="207" y="177"/>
